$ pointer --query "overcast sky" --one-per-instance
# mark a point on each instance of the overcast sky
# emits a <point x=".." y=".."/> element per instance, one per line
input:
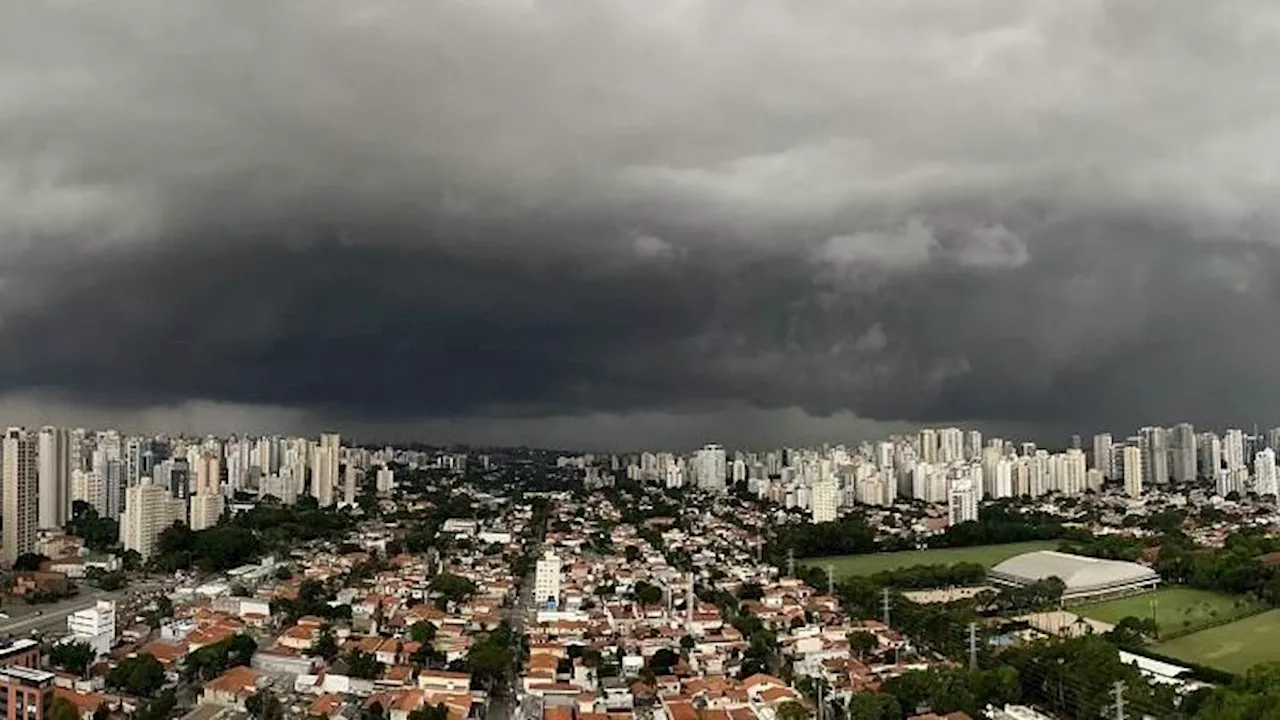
<point x="610" y="223"/>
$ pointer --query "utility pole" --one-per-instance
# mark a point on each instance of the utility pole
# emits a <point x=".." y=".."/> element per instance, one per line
<point x="973" y="646"/>
<point x="884" y="601"/>
<point x="818" y="682"/>
<point x="1117" y="691"/>
<point x="791" y="562"/>
<point x="831" y="579"/>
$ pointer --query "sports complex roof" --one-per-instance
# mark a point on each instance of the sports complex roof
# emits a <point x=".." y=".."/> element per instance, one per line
<point x="1082" y="575"/>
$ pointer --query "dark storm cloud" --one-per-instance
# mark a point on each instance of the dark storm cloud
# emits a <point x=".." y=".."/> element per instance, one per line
<point x="992" y="210"/>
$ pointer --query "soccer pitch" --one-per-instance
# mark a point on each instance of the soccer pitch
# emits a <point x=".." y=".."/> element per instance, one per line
<point x="1234" y="647"/>
<point x="1175" y="608"/>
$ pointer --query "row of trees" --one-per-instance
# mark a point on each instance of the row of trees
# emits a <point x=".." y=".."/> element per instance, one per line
<point x="998" y="523"/>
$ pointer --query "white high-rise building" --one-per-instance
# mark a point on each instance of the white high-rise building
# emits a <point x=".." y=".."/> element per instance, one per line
<point x="825" y="500"/>
<point x="148" y="511"/>
<point x="208" y="474"/>
<point x="950" y="445"/>
<point x="1182" y="452"/>
<point x="385" y="479"/>
<point x="20" y="494"/>
<point x="1073" y="468"/>
<point x="1233" y="449"/>
<point x="1209" y="448"/>
<point x="972" y="445"/>
<point x="1133" y="471"/>
<point x="928" y="441"/>
<point x="55" y="477"/>
<point x="546" y="580"/>
<point x="86" y="485"/>
<point x="1155" y="455"/>
<point x="1264" y="470"/>
<point x="350" y="484"/>
<point x="1102" y="455"/>
<point x="324" y="478"/>
<point x="709" y="465"/>
<point x="205" y="510"/>
<point x="962" y="501"/>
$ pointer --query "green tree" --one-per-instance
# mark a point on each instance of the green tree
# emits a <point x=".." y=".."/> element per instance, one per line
<point x="140" y="676"/>
<point x="862" y="643"/>
<point x="423" y="632"/>
<point x="873" y="706"/>
<point x="430" y="712"/>
<point x="663" y="661"/>
<point x="647" y="594"/>
<point x="792" y="710"/>
<point x="363" y="665"/>
<point x="29" y="562"/>
<point x="451" y="588"/>
<point x="750" y="591"/>
<point x="264" y="705"/>
<point x="72" y="656"/>
<point x="325" y="645"/>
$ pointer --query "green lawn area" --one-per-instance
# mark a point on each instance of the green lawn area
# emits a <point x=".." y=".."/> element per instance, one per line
<point x="1173" y="605"/>
<point x="1234" y="647"/>
<point x="988" y="555"/>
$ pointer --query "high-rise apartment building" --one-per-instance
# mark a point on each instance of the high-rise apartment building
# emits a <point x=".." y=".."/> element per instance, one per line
<point x="206" y="510"/>
<point x="20" y="505"/>
<point x="148" y="511"/>
<point x="324" y="477"/>
<point x="54" y="486"/>
<point x="1155" y="455"/>
<point x="1182" y="452"/>
<point x="1209" y="450"/>
<point x="1233" y="449"/>
<point x="1132" y="470"/>
<point x="962" y="501"/>
<point x="385" y="479"/>
<point x="208" y="474"/>
<point x="825" y="501"/>
<point x="950" y="445"/>
<point x="1264" y="471"/>
<point x="1102" y="455"/>
<point x="350" y="484"/>
<point x="928" y="442"/>
<point x="709" y="466"/>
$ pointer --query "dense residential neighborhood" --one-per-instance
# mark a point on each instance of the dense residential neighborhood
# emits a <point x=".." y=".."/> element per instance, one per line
<point x="434" y="584"/>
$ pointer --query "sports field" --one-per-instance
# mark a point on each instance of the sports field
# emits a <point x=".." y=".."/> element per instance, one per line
<point x="1175" y="607"/>
<point x="988" y="555"/>
<point x="1234" y="647"/>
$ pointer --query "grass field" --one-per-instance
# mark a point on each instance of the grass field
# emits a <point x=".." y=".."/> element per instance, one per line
<point x="1234" y="647"/>
<point x="988" y="555"/>
<point x="1175" y="606"/>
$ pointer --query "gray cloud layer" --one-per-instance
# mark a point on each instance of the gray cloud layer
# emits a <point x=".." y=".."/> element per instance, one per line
<point x="1011" y="211"/>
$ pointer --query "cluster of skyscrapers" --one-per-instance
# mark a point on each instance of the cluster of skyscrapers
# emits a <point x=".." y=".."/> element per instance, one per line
<point x="148" y="483"/>
<point x="960" y="469"/>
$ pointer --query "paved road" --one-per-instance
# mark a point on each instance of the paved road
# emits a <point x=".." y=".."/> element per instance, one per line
<point x="53" y="616"/>
<point x="504" y="706"/>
